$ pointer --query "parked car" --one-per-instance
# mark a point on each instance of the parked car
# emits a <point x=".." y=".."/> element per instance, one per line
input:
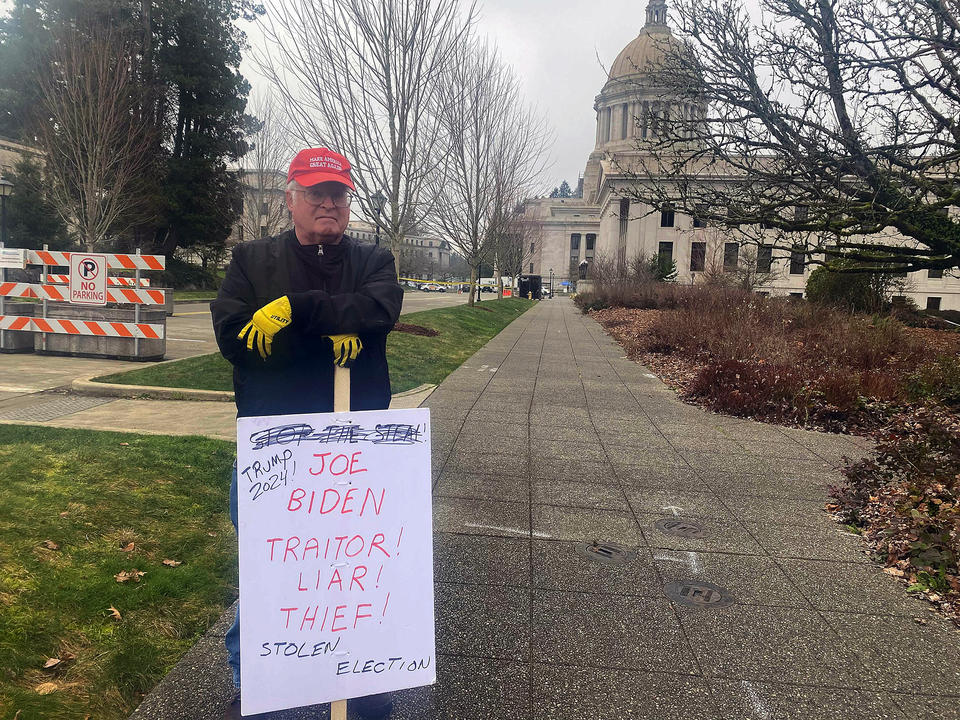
<point x="432" y="287"/>
<point x="487" y="288"/>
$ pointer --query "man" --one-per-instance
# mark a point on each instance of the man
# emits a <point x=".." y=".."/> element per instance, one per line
<point x="292" y="305"/>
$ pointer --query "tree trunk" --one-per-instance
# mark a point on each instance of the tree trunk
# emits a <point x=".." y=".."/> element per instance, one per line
<point x="474" y="276"/>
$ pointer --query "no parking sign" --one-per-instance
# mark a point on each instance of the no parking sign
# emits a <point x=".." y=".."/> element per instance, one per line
<point x="88" y="278"/>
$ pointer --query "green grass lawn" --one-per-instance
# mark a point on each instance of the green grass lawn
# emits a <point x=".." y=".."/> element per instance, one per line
<point x="77" y="508"/>
<point x="414" y="359"/>
<point x="194" y="294"/>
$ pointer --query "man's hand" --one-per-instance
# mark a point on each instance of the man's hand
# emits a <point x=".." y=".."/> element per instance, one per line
<point x="345" y="349"/>
<point x="267" y="322"/>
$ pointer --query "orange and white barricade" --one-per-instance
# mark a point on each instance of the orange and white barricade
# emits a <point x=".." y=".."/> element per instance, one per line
<point x="120" y="290"/>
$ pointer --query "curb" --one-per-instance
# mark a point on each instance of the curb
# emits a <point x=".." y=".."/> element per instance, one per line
<point x="152" y="392"/>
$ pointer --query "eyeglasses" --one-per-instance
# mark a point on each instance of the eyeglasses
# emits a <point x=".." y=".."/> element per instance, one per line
<point x="315" y="196"/>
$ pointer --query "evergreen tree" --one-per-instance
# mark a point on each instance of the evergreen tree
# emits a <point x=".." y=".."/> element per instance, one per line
<point x="197" y="53"/>
<point x="564" y="191"/>
<point x="24" y="42"/>
<point x="32" y="221"/>
<point x="188" y="68"/>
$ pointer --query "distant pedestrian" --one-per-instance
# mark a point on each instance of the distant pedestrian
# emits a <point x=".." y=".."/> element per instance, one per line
<point x="293" y="304"/>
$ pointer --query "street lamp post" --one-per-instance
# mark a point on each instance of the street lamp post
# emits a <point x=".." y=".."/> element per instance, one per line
<point x="376" y="204"/>
<point x="551" y="283"/>
<point x="6" y="188"/>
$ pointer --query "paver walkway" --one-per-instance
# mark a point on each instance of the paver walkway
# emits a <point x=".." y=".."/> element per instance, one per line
<point x="547" y="440"/>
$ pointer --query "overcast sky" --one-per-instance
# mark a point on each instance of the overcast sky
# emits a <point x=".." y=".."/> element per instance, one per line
<point x="553" y="45"/>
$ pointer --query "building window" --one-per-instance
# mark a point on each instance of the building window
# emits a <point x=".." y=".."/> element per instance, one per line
<point x="699" y="222"/>
<point x="667" y="217"/>
<point x="665" y="252"/>
<point x="591" y="240"/>
<point x="797" y="261"/>
<point x="933" y="303"/>
<point x="624" y="113"/>
<point x="241" y="233"/>
<point x="764" y="258"/>
<point x="531" y="248"/>
<point x="935" y="274"/>
<point x="698" y="256"/>
<point x="798" y="296"/>
<point x="801" y="213"/>
<point x="731" y="256"/>
<point x="263" y="231"/>
<point x="574" y="242"/>
<point x="531" y="267"/>
<point x="264" y="208"/>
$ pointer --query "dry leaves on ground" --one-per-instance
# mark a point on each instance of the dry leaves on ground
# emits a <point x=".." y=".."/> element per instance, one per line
<point x="172" y="563"/>
<point x="124" y="575"/>
<point x="53" y="662"/>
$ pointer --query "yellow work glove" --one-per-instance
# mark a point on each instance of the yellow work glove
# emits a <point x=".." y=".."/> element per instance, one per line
<point x="345" y="349"/>
<point x="266" y="322"/>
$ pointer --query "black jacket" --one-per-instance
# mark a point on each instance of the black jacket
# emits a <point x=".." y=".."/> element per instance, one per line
<point x="298" y="375"/>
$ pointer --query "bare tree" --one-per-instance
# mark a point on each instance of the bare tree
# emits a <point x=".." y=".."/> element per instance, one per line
<point x="98" y="147"/>
<point x="518" y="243"/>
<point x="496" y="150"/>
<point x="732" y="263"/>
<point x="264" y="175"/>
<point x="361" y="76"/>
<point x="833" y="124"/>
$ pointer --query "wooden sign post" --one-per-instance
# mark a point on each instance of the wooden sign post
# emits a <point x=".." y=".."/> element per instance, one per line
<point x="341" y="403"/>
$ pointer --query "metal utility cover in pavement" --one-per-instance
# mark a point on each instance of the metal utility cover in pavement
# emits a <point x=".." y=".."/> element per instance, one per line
<point x="698" y="593"/>
<point x="681" y="527"/>
<point x="606" y="553"/>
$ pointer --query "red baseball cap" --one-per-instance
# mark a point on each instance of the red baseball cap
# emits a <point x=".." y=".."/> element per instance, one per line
<point x="317" y="165"/>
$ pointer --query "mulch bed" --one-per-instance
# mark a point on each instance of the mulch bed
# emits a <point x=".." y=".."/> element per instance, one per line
<point x="629" y="327"/>
<point x="890" y="524"/>
<point x="415" y="330"/>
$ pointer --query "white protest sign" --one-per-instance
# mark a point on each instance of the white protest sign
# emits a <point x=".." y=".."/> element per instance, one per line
<point x="88" y="278"/>
<point x="336" y="556"/>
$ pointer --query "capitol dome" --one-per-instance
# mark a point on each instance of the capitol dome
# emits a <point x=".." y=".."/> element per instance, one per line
<point x="646" y="52"/>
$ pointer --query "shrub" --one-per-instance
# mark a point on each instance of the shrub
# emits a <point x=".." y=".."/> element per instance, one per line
<point x="938" y="381"/>
<point x="752" y="389"/>
<point x="853" y="291"/>
<point x="907" y="500"/>
<point x="185" y="276"/>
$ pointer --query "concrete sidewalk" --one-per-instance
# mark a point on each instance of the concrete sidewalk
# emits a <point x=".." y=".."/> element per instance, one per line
<point x="715" y="586"/>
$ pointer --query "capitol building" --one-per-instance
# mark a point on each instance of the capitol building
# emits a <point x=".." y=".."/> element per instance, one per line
<point x="604" y="220"/>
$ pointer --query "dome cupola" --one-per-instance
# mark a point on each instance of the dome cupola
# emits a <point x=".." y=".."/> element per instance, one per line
<point x="646" y="52"/>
